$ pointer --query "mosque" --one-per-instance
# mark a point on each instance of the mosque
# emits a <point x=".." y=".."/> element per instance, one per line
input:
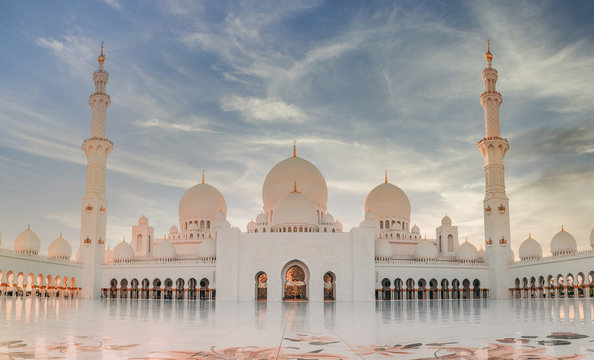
<point x="296" y="249"/>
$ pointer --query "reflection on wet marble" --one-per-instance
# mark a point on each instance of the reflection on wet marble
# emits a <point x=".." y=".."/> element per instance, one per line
<point x="150" y="329"/>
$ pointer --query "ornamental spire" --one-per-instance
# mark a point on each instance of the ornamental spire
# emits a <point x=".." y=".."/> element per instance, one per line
<point x="101" y="58"/>
<point x="386" y="177"/>
<point x="488" y="55"/>
<point x="294" y="147"/>
<point x="203" y="176"/>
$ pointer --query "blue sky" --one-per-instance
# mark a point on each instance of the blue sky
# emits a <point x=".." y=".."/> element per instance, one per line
<point x="363" y="86"/>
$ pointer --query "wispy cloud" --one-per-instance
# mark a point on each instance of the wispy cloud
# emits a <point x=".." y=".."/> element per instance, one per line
<point x="113" y="3"/>
<point x="267" y="110"/>
<point x="156" y="123"/>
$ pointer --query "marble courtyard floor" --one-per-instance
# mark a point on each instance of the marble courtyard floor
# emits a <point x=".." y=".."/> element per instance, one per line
<point x="157" y="329"/>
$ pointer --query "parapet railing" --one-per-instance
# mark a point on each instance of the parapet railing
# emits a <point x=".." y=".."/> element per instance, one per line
<point x="391" y="261"/>
<point x="38" y="256"/>
<point x="179" y="259"/>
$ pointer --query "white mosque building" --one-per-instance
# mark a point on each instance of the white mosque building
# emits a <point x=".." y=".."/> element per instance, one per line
<point x="296" y="249"/>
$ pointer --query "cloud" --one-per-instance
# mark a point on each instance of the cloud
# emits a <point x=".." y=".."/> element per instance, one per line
<point x="113" y="3"/>
<point x="75" y="50"/>
<point x="156" y="123"/>
<point x="267" y="109"/>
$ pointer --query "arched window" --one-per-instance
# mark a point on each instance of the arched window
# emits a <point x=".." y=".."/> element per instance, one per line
<point x="208" y="224"/>
<point x="263" y="229"/>
<point x="387" y="224"/>
<point x="381" y="224"/>
<point x="294" y="228"/>
<point x="450" y="243"/>
<point x="333" y="230"/>
<point x="300" y="229"/>
<point x="139" y="242"/>
<point x="325" y="229"/>
<point x="191" y="236"/>
<point x="256" y="230"/>
<point x="201" y="224"/>
<point x="290" y="229"/>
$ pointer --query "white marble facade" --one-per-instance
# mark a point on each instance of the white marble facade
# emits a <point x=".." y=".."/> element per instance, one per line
<point x="295" y="249"/>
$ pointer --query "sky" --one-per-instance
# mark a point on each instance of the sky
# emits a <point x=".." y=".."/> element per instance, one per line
<point x="225" y="87"/>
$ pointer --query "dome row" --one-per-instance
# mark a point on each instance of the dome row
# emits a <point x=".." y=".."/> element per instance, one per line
<point x="561" y="244"/>
<point x="27" y="242"/>
<point x="426" y="250"/>
<point x="164" y="250"/>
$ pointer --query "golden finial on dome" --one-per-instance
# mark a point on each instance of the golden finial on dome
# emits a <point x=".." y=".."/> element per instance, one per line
<point x="28" y="227"/>
<point x="386" y="177"/>
<point x="467" y="239"/>
<point x="425" y="236"/>
<point x="101" y="58"/>
<point x="294" y="147"/>
<point x="562" y="227"/>
<point x="203" y="176"/>
<point x="295" y="187"/>
<point x="488" y="54"/>
<point x="60" y="235"/>
<point x="529" y="235"/>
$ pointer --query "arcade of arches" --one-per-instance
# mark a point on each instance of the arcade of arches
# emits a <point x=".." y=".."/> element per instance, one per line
<point x="434" y="289"/>
<point x="555" y="286"/>
<point x="20" y="285"/>
<point x="157" y="289"/>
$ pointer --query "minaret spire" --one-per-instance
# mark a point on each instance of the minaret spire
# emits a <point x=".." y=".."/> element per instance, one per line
<point x="496" y="204"/>
<point x="94" y="203"/>
<point x="203" y="176"/>
<point x="386" y="177"/>
<point x="294" y="147"/>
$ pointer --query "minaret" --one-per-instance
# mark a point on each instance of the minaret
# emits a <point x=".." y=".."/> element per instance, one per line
<point x="94" y="203"/>
<point x="496" y="204"/>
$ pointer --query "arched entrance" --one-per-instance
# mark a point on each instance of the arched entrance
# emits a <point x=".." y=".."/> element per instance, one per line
<point x="261" y="286"/>
<point x="296" y="276"/>
<point x="329" y="287"/>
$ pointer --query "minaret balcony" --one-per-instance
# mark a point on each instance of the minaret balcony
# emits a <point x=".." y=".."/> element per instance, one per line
<point x="488" y="210"/>
<point x="101" y="242"/>
<point x="502" y="242"/>
<point x="501" y="209"/>
<point x="87" y="241"/>
<point x="489" y="242"/>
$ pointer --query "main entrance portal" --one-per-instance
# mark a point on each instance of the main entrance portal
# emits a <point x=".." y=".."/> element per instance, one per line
<point x="295" y="286"/>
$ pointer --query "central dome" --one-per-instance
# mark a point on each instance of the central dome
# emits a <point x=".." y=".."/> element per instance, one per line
<point x="202" y="201"/>
<point x="280" y="179"/>
<point x="388" y="201"/>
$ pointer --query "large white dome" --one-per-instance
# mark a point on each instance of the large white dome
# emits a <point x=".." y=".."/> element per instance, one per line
<point x="563" y="243"/>
<point x="466" y="252"/>
<point x="202" y="201"/>
<point x="388" y="201"/>
<point x="123" y="252"/>
<point x="530" y="249"/>
<point x="208" y="248"/>
<point x="295" y="208"/>
<point x="60" y="248"/>
<point x="281" y="177"/>
<point x="426" y="250"/>
<point x="27" y="242"/>
<point x="164" y="250"/>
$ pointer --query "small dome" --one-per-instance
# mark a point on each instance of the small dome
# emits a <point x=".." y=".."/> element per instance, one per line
<point x="369" y="216"/>
<point x="592" y="238"/>
<point x="530" y="249"/>
<point x="425" y="250"/>
<point x="279" y="181"/>
<point x="143" y="220"/>
<point x="173" y="230"/>
<point x="60" y="248"/>
<point x="123" y="252"/>
<point x="262" y="219"/>
<point x="208" y="248"/>
<point x="295" y="208"/>
<point x="251" y="226"/>
<point x="164" y="250"/>
<point x="193" y="227"/>
<point x="108" y="255"/>
<point x="563" y="243"/>
<point x="27" y="242"/>
<point x="202" y="201"/>
<point x="466" y="252"/>
<point x="415" y="230"/>
<point x="327" y="219"/>
<point x="388" y="201"/>
<point x="383" y="249"/>
<point x="446" y="220"/>
<point x="481" y="254"/>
